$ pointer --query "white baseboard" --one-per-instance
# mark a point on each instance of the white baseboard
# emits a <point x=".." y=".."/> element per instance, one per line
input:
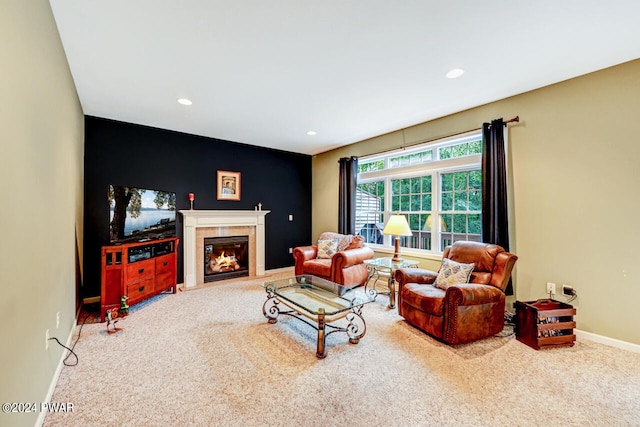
<point x="90" y="300"/>
<point x="56" y="375"/>
<point x="624" y="345"/>
<point x="280" y="270"/>
<point x="180" y="286"/>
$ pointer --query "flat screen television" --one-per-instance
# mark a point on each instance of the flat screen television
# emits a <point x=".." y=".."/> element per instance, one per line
<point x="140" y="214"/>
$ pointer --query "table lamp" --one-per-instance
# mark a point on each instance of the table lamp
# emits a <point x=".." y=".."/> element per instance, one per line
<point x="397" y="226"/>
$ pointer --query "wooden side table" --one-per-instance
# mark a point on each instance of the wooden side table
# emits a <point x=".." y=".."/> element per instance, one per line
<point x="384" y="268"/>
<point x="545" y="323"/>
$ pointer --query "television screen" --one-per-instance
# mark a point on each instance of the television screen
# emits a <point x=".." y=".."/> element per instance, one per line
<point x="139" y="214"/>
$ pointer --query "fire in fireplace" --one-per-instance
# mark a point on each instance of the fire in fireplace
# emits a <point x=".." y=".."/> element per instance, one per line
<point x="226" y="257"/>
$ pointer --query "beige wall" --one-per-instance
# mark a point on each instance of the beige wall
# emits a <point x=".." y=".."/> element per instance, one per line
<point x="574" y="181"/>
<point x="41" y="175"/>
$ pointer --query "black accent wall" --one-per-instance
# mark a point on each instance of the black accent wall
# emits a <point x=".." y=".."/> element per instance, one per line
<point x="140" y="156"/>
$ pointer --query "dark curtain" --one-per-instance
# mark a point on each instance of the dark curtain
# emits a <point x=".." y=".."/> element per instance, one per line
<point x="495" y="224"/>
<point x="347" y="195"/>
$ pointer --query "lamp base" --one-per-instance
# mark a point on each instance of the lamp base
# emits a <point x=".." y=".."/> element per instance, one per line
<point x="396" y="254"/>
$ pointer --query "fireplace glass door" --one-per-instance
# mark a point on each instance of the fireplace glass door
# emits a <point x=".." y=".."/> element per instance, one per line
<point x="226" y="257"/>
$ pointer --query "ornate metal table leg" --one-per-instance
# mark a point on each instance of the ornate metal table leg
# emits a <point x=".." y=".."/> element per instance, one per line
<point x="392" y="291"/>
<point x="371" y="270"/>
<point x="272" y="312"/>
<point x="352" y="329"/>
<point x="321" y="351"/>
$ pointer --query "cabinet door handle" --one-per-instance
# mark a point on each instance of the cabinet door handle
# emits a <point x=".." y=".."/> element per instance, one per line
<point x="141" y="288"/>
<point x="140" y="270"/>
<point x="166" y="263"/>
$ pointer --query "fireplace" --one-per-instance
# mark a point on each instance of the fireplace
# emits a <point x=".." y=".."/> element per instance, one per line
<point x="225" y="257"/>
<point x="201" y="224"/>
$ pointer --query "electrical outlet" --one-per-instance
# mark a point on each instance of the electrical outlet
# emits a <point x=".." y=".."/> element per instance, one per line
<point x="551" y="288"/>
<point x="57" y="320"/>
<point x="568" y="290"/>
<point x="46" y="340"/>
<point x="290" y="250"/>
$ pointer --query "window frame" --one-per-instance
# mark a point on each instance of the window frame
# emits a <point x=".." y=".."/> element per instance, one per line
<point x="435" y="168"/>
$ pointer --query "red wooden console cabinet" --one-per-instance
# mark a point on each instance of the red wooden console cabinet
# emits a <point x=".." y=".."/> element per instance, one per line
<point x="138" y="270"/>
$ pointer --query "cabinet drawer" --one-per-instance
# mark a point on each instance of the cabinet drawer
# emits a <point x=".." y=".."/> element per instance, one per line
<point x="140" y="270"/>
<point x="140" y="290"/>
<point x="166" y="263"/>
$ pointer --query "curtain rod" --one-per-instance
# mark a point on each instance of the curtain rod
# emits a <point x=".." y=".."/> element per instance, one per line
<point x="516" y="119"/>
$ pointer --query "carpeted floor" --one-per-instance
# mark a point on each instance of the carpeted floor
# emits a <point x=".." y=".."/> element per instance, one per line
<point x="208" y="357"/>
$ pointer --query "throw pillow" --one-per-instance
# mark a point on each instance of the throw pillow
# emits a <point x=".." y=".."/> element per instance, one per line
<point x="344" y="240"/>
<point x="452" y="273"/>
<point x="326" y="248"/>
<point x="356" y="242"/>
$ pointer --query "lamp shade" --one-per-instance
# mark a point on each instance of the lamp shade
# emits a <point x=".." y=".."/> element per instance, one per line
<point x="397" y="226"/>
<point x="428" y="225"/>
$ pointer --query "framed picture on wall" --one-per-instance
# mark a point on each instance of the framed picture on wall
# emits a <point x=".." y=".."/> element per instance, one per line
<point x="228" y="185"/>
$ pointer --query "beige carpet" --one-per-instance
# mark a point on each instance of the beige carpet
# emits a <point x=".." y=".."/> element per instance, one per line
<point x="208" y="357"/>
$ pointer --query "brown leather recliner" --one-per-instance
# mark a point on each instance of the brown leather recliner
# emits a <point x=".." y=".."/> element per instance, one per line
<point x="463" y="312"/>
<point x="346" y="267"/>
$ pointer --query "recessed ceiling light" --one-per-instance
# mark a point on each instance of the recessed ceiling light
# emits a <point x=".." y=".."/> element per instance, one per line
<point x="455" y="73"/>
<point x="184" y="101"/>
<point x="312" y="132"/>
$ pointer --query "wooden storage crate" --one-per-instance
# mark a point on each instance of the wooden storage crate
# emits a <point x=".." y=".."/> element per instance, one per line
<point x="545" y="323"/>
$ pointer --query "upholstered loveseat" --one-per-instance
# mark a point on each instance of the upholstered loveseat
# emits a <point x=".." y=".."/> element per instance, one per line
<point x="337" y="257"/>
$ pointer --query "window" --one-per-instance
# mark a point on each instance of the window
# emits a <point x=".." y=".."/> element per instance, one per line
<point x="436" y="185"/>
<point x="369" y="210"/>
<point x="461" y="206"/>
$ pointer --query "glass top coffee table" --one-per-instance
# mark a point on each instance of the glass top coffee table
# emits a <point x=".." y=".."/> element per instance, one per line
<point x="318" y="303"/>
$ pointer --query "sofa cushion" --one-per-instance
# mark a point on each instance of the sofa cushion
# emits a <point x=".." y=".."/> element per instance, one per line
<point x="318" y="267"/>
<point x="327" y="248"/>
<point x="452" y="273"/>
<point x="426" y="298"/>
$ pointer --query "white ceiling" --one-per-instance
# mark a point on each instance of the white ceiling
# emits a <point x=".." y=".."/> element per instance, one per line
<point x="264" y="72"/>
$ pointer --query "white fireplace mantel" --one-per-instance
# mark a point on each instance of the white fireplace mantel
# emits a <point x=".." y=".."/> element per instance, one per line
<point x="193" y="219"/>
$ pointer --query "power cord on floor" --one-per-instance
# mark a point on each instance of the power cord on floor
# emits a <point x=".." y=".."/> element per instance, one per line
<point x="71" y="352"/>
<point x="508" y="317"/>
<point x="509" y="326"/>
